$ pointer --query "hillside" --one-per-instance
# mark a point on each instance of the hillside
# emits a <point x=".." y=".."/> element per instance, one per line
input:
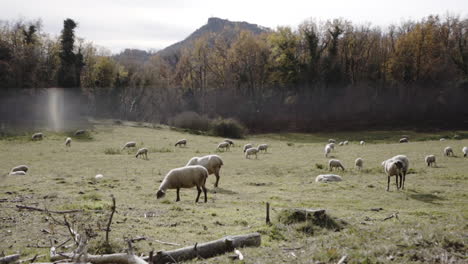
<point x="214" y="25"/>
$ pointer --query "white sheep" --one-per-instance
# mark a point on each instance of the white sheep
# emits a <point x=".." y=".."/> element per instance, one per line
<point x="398" y="164"/>
<point x="448" y="151"/>
<point x="18" y="173"/>
<point x="331" y="140"/>
<point x="341" y="143"/>
<point x="181" y="142"/>
<point x="442" y="139"/>
<point x="362" y="142"/>
<point x="328" y="178"/>
<point x="465" y="151"/>
<point x="223" y="145"/>
<point x="68" y="142"/>
<point x="327" y="150"/>
<point x="142" y="152"/>
<point x="130" y="144"/>
<point x="37" y="136"/>
<point x="98" y="176"/>
<point x="430" y="159"/>
<point x="229" y="141"/>
<point x="359" y="162"/>
<point x="331" y="145"/>
<point x="247" y="146"/>
<point x="20" y="168"/>
<point x="212" y="163"/>
<point x="263" y="147"/>
<point x="251" y="151"/>
<point x="185" y="177"/>
<point x="404" y="140"/>
<point x="346" y="142"/>
<point x="80" y="132"/>
<point x="334" y="163"/>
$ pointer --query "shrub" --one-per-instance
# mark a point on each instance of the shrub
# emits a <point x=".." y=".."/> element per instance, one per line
<point x="230" y="128"/>
<point x="191" y="120"/>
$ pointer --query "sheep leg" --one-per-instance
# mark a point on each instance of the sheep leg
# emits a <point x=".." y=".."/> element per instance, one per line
<point x="217" y="178"/>
<point x="388" y="183"/>
<point x="396" y="180"/>
<point x="204" y="192"/>
<point x="403" y="183"/>
<point x="178" y="196"/>
<point x="198" y="195"/>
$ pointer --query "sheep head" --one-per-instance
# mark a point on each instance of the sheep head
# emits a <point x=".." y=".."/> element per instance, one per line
<point x="160" y="194"/>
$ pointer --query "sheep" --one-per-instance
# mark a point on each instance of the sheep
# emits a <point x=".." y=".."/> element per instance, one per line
<point x="341" y="143"/>
<point x="263" y="147"/>
<point x="430" y="159"/>
<point x="362" y="142"/>
<point x="37" y="136"/>
<point x="327" y="150"/>
<point x="345" y="142"/>
<point x="359" y="162"/>
<point x="142" y="152"/>
<point x="465" y="151"/>
<point x="20" y="168"/>
<point x="68" y="142"/>
<point x="442" y="139"/>
<point x="332" y="145"/>
<point x="247" y="146"/>
<point x="18" y="173"/>
<point x="223" y="145"/>
<point x="402" y="165"/>
<point x="229" y="141"/>
<point x="212" y="163"/>
<point x="251" y="151"/>
<point x="130" y="144"/>
<point x="181" y="142"/>
<point x="334" y="163"/>
<point x="328" y="178"/>
<point x="80" y="132"/>
<point x="184" y="177"/>
<point x="98" y="176"/>
<point x="404" y="140"/>
<point x="331" y="140"/>
<point x="448" y="151"/>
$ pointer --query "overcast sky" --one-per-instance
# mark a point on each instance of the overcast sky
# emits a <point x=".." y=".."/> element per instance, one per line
<point x="155" y="24"/>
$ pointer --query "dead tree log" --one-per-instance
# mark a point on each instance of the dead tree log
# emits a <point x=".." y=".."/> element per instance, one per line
<point x="9" y="259"/>
<point x="208" y="249"/>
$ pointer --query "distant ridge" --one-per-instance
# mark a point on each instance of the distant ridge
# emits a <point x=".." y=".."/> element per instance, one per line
<point x="228" y="28"/>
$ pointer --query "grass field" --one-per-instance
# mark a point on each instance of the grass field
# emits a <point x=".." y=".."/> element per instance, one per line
<point x="431" y="227"/>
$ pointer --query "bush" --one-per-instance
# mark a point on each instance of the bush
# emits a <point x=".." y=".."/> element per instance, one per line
<point x="191" y="120"/>
<point x="230" y="128"/>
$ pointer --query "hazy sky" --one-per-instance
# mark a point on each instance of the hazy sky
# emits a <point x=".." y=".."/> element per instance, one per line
<point x="155" y="24"/>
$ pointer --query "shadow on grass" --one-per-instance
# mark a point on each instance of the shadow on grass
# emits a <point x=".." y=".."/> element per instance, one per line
<point x="221" y="190"/>
<point x="426" y="197"/>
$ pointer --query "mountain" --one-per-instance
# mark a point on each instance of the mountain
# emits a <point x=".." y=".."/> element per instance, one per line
<point x="229" y="30"/>
<point x="132" y="57"/>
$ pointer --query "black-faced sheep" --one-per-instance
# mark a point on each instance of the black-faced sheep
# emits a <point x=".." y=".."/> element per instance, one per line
<point x="334" y="163"/>
<point x="359" y="162"/>
<point x="448" y="151"/>
<point x="229" y="141"/>
<point x="142" y="152"/>
<point x="223" y="145"/>
<point x="37" y="136"/>
<point x="185" y="177"/>
<point x="465" y="151"/>
<point x="251" y="151"/>
<point x="212" y="163"/>
<point x="263" y="147"/>
<point x="181" y="142"/>
<point x="247" y="146"/>
<point x="430" y="159"/>
<point x="68" y="142"/>
<point x="398" y="164"/>
<point x="130" y="144"/>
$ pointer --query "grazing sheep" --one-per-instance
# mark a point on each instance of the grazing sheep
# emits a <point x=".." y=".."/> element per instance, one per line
<point x="334" y="163"/>
<point x="362" y="143"/>
<point x="328" y="149"/>
<point x="80" y="132"/>
<point x="263" y="147"/>
<point x="223" y="145"/>
<point x="345" y="142"/>
<point x="430" y="159"/>
<point x="331" y="140"/>
<point x="18" y="173"/>
<point x="142" y="152"/>
<point x="465" y="151"/>
<point x="181" y="142"/>
<point x="185" y="177"/>
<point x="20" y="168"/>
<point x="98" y="176"/>
<point x="448" y="151"/>
<point x="251" y="151"/>
<point x="341" y="143"/>
<point x="328" y="178"/>
<point x="68" y="142"/>
<point x="359" y="162"/>
<point x="247" y="146"/>
<point x="229" y="141"/>
<point x="332" y="145"/>
<point x="37" y="136"/>
<point x="404" y="140"/>
<point x="397" y="164"/>
<point x="212" y="163"/>
<point x="130" y="144"/>
<point x="442" y="139"/>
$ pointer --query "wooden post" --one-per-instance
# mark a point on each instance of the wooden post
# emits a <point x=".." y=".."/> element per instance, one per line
<point x="268" y="213"/>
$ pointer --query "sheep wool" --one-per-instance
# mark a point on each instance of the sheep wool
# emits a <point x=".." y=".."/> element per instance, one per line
<point x="212" y="164"/>
<point x="430" y="159"/>
<point x="334" y="163"/>
<point x="359" y="162"/>
<point x="247" y="146"/>
<point x="251" y="151"/>
<point x="184" y="177"/>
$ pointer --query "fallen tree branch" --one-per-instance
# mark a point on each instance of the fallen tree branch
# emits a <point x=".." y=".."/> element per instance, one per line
<point x="208" y="249"/>
<point x="9" y="259"/>
<point x="45" y="210"/>
<point x="391" y="216"/>
<point x="166" y="243"/>
<point x="31" y="259"/>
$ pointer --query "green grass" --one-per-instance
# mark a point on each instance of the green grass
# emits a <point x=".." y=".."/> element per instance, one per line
<point x="432" y="212"/>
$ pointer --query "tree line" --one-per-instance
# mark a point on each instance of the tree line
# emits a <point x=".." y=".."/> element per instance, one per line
<point x="331" y="74"/>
